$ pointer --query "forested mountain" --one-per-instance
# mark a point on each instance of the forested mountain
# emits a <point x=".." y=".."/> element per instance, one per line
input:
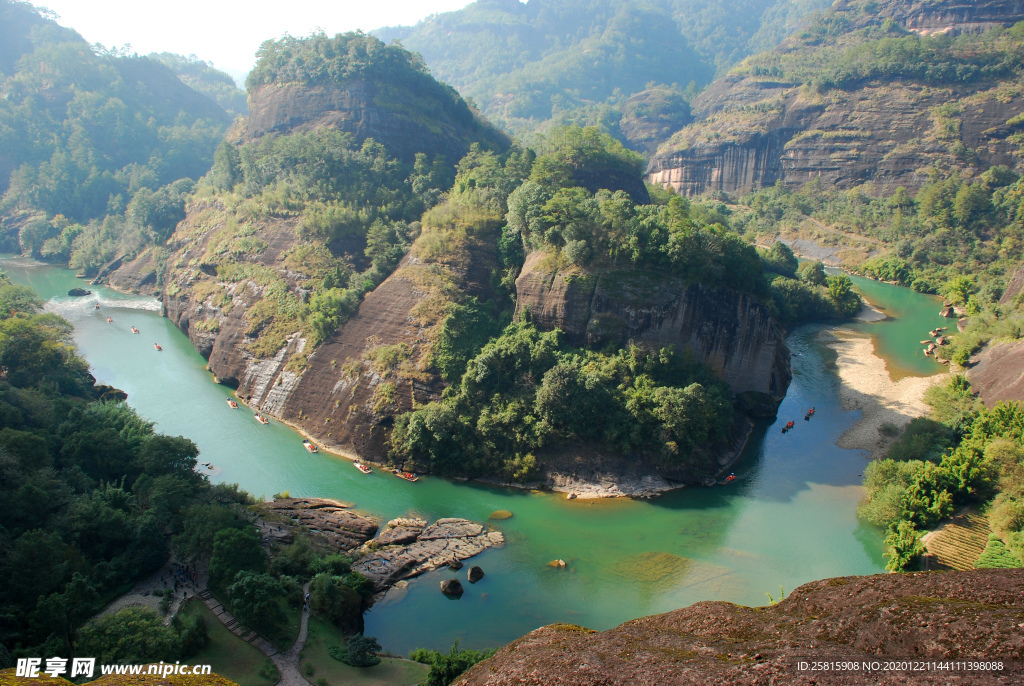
<point x="204" y="78"/>
<point x="528" y="65"/>
<point x="97" y="148"/>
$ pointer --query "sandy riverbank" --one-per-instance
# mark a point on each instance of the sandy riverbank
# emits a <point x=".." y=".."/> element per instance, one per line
<point x="866" y="386"/>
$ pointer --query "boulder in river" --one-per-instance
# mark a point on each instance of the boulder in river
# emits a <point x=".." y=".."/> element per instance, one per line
<point x="946" y="312"/>
<point x="451" y="587"/>
<point x="79" y="292"/>
<point x="557" y="564"/>
<point x="455" y="564"/>
<point x="475" y="574"/>
<point x="500" y="514"/>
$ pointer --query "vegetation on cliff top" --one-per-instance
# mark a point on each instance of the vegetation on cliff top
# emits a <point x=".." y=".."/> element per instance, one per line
<point x="354" y="210"/>
<point x="831" y="53"/>
<point x="516" y="390"/>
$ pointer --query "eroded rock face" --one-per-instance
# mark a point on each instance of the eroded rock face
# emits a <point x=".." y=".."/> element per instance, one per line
<point x="389" y="114"/>
<point x="438" y="545"/>
<point x="141" y="275"/>
<point x="972" y="615"/>
<point x="751" y="131"/>
<point x="730" y="332"/>
<point x="330" y="520"/>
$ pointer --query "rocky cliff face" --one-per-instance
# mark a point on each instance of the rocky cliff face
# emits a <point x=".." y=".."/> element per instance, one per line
<point x="405" y="122"/>
<point x="752" y="130"/>
<point x="212" y="311"/>
<point x="931" y="616"/>
<point x="340" y="393"/>
<point x="729" y="331"/>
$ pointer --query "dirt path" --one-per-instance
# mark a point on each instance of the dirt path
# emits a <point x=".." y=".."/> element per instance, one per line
<point x="288" y="663"/>
<point x="142" y="594"/>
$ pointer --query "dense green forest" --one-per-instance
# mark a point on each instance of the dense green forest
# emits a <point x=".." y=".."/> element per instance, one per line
<point x="91" y="492"/>
<point x="529" y="65"/>
<point x="90" y="488"/>
<point x="98" y="148"/>
<point x="204" y="78"/>
<point x="516" y="390"/>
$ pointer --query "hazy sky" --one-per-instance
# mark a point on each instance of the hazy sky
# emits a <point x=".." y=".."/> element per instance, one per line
<point x="228" y="32"/>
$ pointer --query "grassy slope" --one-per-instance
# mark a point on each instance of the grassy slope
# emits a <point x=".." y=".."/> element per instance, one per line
<point x="390" y="672"/>
<point x="230" y="656"/>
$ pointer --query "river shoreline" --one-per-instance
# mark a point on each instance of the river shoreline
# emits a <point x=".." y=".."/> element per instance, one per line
<point x="865" y="385"/>
<point x="614" y="478"/>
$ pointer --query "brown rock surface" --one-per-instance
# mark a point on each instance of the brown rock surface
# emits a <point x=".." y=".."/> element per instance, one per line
<point x="330" y="520"/>
<point x="141" y="275"/>
<point x="731" y="332"/>
<point x="438" y="545"/>
<point x="1013" y="287"/>
<point x="933" y="616"/>
<point x="998" y="373"/>
<point x="393" y="116"/>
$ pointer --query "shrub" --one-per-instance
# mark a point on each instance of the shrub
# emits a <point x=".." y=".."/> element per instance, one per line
<point x="997" y="556"/>
<point x="361" y="651"/>
<point x="904" y="547"/>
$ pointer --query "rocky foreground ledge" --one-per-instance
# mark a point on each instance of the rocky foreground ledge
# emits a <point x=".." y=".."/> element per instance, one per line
<point x="931" y="618"/>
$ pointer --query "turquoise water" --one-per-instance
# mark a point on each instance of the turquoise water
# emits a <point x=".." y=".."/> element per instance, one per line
<point x="897" y="339"/>
<point x="790" y="518"/>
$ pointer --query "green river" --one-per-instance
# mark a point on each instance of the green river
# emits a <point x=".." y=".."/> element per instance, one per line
<point x="790" y="517"/>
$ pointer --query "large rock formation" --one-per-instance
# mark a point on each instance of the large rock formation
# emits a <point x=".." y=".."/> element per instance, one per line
<point x="729" y="331"/>
<point x="754" y="129"/>
<point x="408" y="548"/>
<point x="943" y="617"/>
<point x="406" y="121"/>
<point x="330" y="521"/>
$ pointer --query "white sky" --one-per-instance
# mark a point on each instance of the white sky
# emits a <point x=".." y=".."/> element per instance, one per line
<point x="228" y="32"/>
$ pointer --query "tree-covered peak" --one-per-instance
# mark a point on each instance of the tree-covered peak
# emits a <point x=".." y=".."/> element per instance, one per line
<point x="23" y="28"/>
<point x="319" y="59"/>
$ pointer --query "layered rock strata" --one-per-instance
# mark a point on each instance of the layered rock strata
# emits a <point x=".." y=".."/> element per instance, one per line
<point x="409" y="548"/>
<point x="406" y="121"/>
<point x="752" y="130"/>
<point x="331" y="521"/>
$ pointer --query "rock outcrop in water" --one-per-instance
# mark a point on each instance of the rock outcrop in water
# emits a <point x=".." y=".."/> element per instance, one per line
<point x="731" y="332"/>
<point x="931" y="616"/>
<point x="753" y="129"/>
<point x="408" y="547"/>
<point x="331" y="521"/>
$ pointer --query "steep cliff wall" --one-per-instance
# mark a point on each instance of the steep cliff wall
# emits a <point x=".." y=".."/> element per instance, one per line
<point x="932" y="616"/>
<point x="754" y="128"/>
<point x="729" y="331"/>
<point x="406" y="122"/>
<point x="213" y="310"/>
